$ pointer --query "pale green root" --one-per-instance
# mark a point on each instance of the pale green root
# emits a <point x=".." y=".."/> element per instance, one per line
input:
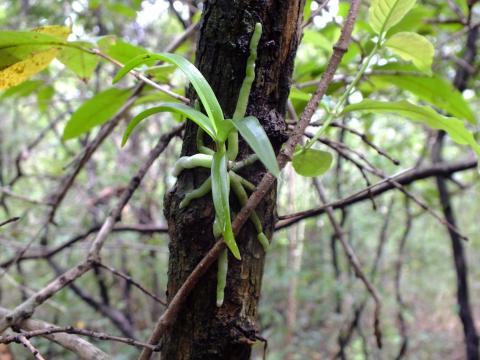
<point x="222" y="276"/>
<point x="235" y="181"/>
<point x="201" y="148"/>
<point x="190" y="162"/>
<point x="197" y="193"/>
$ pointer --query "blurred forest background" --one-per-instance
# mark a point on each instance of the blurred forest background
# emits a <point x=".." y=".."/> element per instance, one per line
<point x="312" y="305"/>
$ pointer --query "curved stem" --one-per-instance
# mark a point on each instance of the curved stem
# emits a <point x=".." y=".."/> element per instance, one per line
<point x="200" y="144"/>
<point x="222" y="276"/>
<point x="235" y="181"/>
<point x="197" y="193"/>
<point x="189" y="162"/>
<point x="245" y="89"/>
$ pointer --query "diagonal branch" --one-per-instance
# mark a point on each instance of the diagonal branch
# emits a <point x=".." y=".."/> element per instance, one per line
<point x="403" y="178"/>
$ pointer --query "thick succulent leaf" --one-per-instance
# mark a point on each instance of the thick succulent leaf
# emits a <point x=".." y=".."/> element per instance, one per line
<point x="95" y="111"/>
<point x="196" y="116"/>
<point x="383" y="14"/>
<point x="453" y="126"/>
<point x="220" y="195"/>
<point x="255" y="136"/>
<point x="413" y="47"/>
<point x="312" y="162"/>
<point x="203" y="89"/>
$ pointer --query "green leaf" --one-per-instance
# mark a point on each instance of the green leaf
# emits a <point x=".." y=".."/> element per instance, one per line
<point x="414" y="21"/>
<point x="255" y="136"/>
<point x="44" y="96"/>
<point x="433" y="90"/>
<point x="120" y="50"/>
<point x="383" y="14"/>
<point x="95" y="111"/>
<point x="423" y="114"/>
<point x="413" y="47"/>
<point x="80" y="62"/>
<point x="122" y="10"/>
<point x="203" y="89"/>
<point x="196" y="116"/>
<point x="24" y="89"/>
<point x="296" y="94"/>
<point x="311" y="162"/>
<point x="160" y="72"/>
<point x="220" y="195"/>
<point x="25" y="53"/>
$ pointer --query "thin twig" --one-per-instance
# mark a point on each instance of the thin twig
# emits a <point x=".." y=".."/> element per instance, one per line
<point x="133" y="282"/>
<point x="7" y="339"/>
<point x="8" y="221"/>
<point x="36" y="354"/>
<point x="354" y="262"/>
<point x="403" y="177"/>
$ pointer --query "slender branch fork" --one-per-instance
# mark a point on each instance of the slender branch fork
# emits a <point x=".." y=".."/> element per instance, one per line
<point x="266" y="183"/>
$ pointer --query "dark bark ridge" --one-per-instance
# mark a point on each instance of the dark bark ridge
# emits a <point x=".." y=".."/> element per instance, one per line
<point x="203" y="331"/>
<point x="465" y="310"/>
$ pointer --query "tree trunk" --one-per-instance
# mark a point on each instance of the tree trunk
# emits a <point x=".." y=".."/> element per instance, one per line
<point x="203" y="331"/>
<point x="465" y="310"/>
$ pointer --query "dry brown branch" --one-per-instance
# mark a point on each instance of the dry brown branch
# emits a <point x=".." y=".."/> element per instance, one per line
<point x="83" y="349"/>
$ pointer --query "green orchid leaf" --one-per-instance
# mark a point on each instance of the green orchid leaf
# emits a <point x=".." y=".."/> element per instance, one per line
<point x="423" y="114"/>
<point x="196" y="116"/>
<point x="220" y="195"/>
<point x="95" y="111"/>
<point x="312" y="162"/>
<point x="203" y="89"/>
<point x="255" y="136"/>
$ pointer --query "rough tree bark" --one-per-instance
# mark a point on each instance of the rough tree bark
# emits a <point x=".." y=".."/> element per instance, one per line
<point x="203" y="331"/>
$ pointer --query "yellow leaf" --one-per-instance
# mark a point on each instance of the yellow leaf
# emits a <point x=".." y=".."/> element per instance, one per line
<point x="37" y="60"/>
<point x="54" y="30"/>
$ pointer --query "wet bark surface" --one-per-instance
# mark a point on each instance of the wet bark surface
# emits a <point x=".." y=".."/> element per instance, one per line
<point x="203" y="331"/>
